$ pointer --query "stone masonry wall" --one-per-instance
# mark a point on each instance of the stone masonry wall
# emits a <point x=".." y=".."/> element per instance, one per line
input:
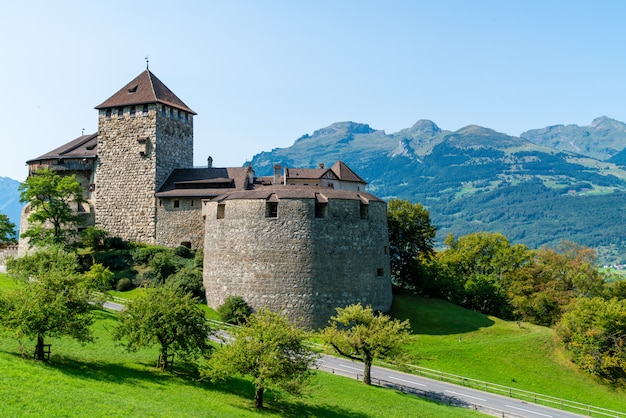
<point x="297" y="264"/>
<point x="135" y="155"/>
<point x="184" y="223"/>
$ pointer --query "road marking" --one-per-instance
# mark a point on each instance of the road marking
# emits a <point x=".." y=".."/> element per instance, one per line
<point x="349" y="367"/>
<point x="467" y="396"/>
<point x="526" y="410"/>
<point x="405" y="381"/>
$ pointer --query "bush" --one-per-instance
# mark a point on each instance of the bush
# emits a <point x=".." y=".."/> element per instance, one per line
<point x="183" y="252"/>
<point x="188" y="280"/>
<point x="124" y="284"/>
<point x="93" y="237"/>
<point x="234" y="310"/>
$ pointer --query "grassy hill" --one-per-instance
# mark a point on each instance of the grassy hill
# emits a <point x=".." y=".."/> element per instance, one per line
<point x="497" y="351"/>
<point x="100" y="379"/>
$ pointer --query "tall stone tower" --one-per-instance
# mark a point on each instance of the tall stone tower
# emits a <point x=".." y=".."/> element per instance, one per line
<point x="144" y="132"/>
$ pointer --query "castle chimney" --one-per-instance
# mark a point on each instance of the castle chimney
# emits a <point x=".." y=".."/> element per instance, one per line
<point x="321" y="165"/>
<point x="277" y="174"/>
<point x="209" y="162"/>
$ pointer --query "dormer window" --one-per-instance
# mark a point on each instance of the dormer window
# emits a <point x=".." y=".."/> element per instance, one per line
<point x="132" y="90"/>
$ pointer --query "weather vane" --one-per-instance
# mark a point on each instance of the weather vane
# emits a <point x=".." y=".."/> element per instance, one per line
<point x="147" y="63"/>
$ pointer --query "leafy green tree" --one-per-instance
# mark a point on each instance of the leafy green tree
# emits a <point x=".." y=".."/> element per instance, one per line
<point x="99" y="277"/>
<point x="7" y="230"/>
<point x="53" y="300"/>
<point x="555" y="277"/>
<point x="270" y="350"/>
<point x="411" y="240"/>
<point x="359" y="334"/>
<point x="234" y="310"/>
<point x="165" y="317"/>
<point x="483" y="265"/>
<point x="594" y="331"/>
<point x="51" y="219"/>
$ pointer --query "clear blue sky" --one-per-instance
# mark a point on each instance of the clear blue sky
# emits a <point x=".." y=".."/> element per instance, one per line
<point x="262" y="73"/>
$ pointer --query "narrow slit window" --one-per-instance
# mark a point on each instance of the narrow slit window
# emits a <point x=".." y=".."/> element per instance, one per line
<point x="221" y="211"/>
<point x="321" y="209"/>
<point x="271" y="210"/>
<point x="176" y="203"/>
<point x="364" y="211"/>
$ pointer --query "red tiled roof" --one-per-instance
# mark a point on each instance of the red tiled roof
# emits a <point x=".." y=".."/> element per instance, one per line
<point x="144" y="89"/>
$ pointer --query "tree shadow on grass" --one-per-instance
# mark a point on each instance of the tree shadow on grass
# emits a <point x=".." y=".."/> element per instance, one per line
<point x="275" y="402"/>
<point x="436" y="316"/>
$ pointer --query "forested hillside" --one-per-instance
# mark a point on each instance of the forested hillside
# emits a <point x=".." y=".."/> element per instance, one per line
<point x="10" y="199"/>
<point x="477" y="179"/>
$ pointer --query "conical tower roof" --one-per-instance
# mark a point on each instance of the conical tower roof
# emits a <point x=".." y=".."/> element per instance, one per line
<point x="144" y="89"/>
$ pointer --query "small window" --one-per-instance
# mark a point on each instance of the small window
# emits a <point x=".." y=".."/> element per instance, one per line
<point x="321" y="209"/>
<point x="180" y="115"/>
<point x="145" y="110"/>
<point x="364" y="211"/>
<point x="108" y="113"/>
<point x="191" y="203"/>
<point x="380" y="272"/>
<point x="163" y="111"/>
<point x="386" y="250"/>
<point x="271" y="209"/>
<point x="132" y="90"/>
<point x="120" y="112"/>
<point x="132" y="111"/>
<point x="176" y="203"/>
<point x="186" y="117"/>
<point x="221" y="211"/>
<point x="171" y="113"/>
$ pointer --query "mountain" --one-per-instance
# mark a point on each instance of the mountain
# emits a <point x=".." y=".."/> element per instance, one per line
<point x="477" y="179"/>
<point x="603" y="139"/>
<point x="10" y="199"/>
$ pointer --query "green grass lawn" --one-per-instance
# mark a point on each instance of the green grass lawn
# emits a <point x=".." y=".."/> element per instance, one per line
<point x="489" y="349"/>
<point x="101" y="379"/>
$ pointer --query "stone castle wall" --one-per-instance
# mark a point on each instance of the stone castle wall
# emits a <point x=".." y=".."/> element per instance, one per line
<point x="295" y="263"/>
<point x="176" y="225"/>
<point x="135" y="155"/>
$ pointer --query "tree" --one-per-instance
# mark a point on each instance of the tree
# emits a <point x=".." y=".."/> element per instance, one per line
<point x="51" y="219"/>
<point x="234" y="310"/>
<point x="268" y="348"/>
<point x="594" y="331"/>
<point x="482" y="265"/>
<point x="359" y="334"/>
<point x="7" y="230"/>
<point x="53" y="300"/>
<point x="411" y="239"/>
<point x="162" y="315"/>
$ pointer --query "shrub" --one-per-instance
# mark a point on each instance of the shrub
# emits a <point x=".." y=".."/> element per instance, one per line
<point x="183" y="252"/>
<point x="93" y="237"/>
<point x="188" y="280"/>
<point x="124" y="284"/>
<point x="234" y="310"/>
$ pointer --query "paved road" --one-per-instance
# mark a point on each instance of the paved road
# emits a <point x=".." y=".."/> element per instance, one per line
<point x="458" y="395"/>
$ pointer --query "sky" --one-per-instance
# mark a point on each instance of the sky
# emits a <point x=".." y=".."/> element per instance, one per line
<point x="260" y="74"/>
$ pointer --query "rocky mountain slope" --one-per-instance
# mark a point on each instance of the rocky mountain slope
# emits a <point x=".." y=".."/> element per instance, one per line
<point x="531" y="188"/>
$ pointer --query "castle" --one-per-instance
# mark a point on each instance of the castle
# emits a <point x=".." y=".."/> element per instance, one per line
<point x="302" y="242"/>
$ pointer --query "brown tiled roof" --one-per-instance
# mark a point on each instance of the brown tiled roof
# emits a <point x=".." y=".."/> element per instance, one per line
<point x="298" y="192"/>
<point x="85" y="146"/>
<point x="144" y="89"/>
<point x="345" y="173"/>
<point x="305" y="173"/>
<point x="204" y="182"/>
